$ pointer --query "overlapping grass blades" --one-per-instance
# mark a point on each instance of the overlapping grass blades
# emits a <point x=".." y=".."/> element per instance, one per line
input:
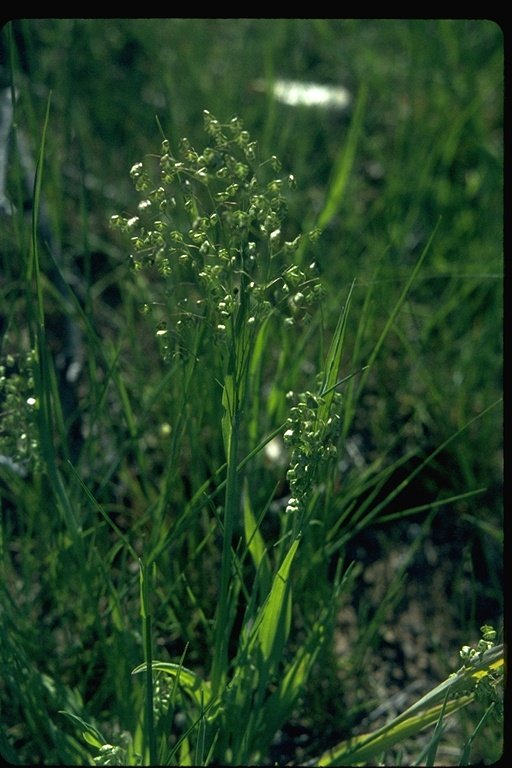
<point x="455" y="692"/>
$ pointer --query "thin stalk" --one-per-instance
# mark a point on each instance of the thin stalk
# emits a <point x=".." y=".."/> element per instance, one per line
<point x="42" y="371"/>
<point x="234" y="395"/>
<point x="220" y="657"/>
<point x="354" y="397"/>
<point x="145" y="611"/>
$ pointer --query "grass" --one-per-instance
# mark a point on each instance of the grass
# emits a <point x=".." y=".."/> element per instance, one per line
<point x="219" y="512"/>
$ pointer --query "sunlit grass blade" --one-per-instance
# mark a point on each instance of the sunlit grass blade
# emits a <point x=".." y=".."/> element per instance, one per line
<point x="452" y="694"/>
<point x="273" y="624"/>
<point x="333" y="361"/>
<point x="292" y="681"/>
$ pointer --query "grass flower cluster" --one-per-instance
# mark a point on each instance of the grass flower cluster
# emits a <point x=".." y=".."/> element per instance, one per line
<point x="312" y="440"/>
<point x="18" y="432"/>
<point x="231" y="268"/>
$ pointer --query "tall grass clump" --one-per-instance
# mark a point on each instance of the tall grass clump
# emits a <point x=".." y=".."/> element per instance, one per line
<point x="228" y="298"/>
<point x="231" y="304"/>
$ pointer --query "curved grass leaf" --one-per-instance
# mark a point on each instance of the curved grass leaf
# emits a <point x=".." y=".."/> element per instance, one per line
<point x="89" y="732"/>
<point x="197" y="688"/>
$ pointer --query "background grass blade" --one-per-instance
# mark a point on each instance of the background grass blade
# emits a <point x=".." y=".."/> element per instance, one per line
<point x="344" y="165"/>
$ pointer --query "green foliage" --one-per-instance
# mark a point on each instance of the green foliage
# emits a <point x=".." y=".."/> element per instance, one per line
<point x="484" y="671"/>
<point x="233" y="259"/>
<point x="260" y="412"/>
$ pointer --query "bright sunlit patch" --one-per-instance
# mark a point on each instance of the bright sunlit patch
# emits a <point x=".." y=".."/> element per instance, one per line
<point x="275" y="452"/>
<point x="296" y="93"/>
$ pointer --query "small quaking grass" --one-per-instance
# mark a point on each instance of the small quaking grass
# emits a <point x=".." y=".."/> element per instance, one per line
<point x="232" y="302"/>
<point x="232" y="292"/>
<point x="231" y="285"/>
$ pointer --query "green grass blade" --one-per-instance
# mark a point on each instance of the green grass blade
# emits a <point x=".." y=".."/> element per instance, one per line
<point x="256" y="543"/>
<point x="274" y="621"/>
<point x="398" y="305"/>
<point x="146" y="584"/>
<point x="366" y="748"/>
<point x="43" y="375"/>
<point x="466" y="751"/>
<point x="374" y="512"/>
<point x="89" y="732"/>
<point x="333" y="361"/>
<point x="105" y="516"/>
<point x="224" y="613"/>
<point x="345" y="163"/>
